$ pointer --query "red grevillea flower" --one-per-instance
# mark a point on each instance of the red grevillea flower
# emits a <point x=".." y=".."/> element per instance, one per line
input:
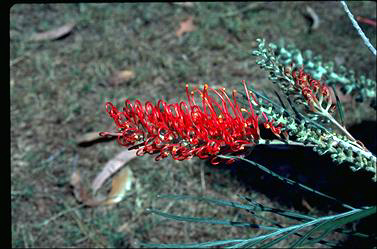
<point x="313" y="91"/>
<point x="189" y="129"/>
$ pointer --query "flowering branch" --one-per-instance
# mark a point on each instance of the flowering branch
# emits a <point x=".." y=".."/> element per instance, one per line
<point x="220" y="125"/>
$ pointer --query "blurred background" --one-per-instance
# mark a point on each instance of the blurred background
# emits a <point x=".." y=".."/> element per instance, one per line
<point x="67" y="60"/>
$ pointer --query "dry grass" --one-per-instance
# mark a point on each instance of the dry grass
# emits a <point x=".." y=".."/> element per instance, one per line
<point x="58" y="90"/>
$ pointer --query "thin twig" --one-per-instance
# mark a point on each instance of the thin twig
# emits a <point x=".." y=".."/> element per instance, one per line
<point x="357" y="27"/>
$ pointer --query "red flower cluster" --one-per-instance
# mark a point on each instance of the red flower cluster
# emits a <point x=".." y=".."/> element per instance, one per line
<point x="188" y="129"/>
<point x="310" y="88"/>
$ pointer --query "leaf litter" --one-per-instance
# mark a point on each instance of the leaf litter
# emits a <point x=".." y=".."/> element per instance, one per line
<point x="122" y="76"/>
<point x="121" y="183"/>
<point x="53" y="34"/>
<point x="185" y="26"/>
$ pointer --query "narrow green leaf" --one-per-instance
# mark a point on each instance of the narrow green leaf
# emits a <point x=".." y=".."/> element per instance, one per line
<point x="320" y="238"/>
<point x="287" y="180"/>
<point x="210" y="220"/>
<point x="354" y="233"/>
<point x="333" y="224"/>
<point x="352" y="217"/>
<point x="316" y="228"/>
<point x="209" y="200"/>
<point x="251" y="242"/>
<point x="254" y="206"/>
<point x="286" y="213"/>
<point x="280" y="100"/>
<point x="255" y="240"/>
<point x="291" y="215"/>
<point x="339" y="106"/>
<point x="295" y="228"/>
<point x="298" y="114"/>
<point x="195" y="245"/>
<point x="277" y="240"/>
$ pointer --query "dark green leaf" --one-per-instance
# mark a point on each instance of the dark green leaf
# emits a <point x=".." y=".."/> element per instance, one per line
<point x="289" y="214"/>
<point x="209" y="200"/>
<point x="280" y="100"/>
<point x="195" y="245"/>
<point x="210" y="220"/>
<point x="287" y="180"/>
<point x="298" y="114"/>
<point x="339" y="106"/>
<point x="277" y="240"/>
<point x="305" y="237"/>
<point x="359" y="214"/>
<point x="333" y="224"/>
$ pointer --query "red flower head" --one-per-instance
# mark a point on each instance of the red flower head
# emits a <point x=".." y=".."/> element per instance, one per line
<point x="312" y="90"/>
<point x="184" y="130"/>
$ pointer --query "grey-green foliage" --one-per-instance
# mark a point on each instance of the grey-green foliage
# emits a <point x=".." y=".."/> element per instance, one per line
<point x="361" y="87"/>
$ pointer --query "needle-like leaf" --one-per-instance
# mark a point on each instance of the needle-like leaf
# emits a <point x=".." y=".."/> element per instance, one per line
<point x="339" y="106"/>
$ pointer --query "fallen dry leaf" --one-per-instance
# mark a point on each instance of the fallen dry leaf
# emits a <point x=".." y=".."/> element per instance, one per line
<point x="111" y="167"/>
<point x="80" y="193"/>
<point x="122" y="76"/>
<point x="53" y="34"/>
<point x="185" y="26"/>
<point x="121" y="183"/>
<point x="88" y="137"/>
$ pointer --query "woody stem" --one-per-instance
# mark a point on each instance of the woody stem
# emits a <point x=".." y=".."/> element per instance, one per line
<point x="325" y="113"/>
